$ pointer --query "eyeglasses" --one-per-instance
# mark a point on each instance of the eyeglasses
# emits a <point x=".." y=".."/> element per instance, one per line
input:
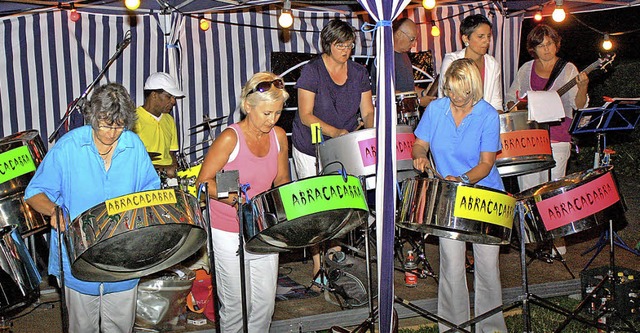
<point x="544" y="46"/>
<point x="411" y="39"/>
<point x="342" y="47"/>
<point x="111" y="128"/>
<point x="266" y="85"/>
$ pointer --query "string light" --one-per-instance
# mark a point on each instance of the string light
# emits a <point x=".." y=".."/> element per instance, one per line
<point x="558" y="14"/>
<point x="607" y="44"/>
<point x="132" y="4"/>
<point x="286" y="18"/>
<point x="435" y="31"/>
<point x="204" y="24"/>
<point x="74" y="16"/>
<point x="429" y="4"/>
<point x="538" y="16"/>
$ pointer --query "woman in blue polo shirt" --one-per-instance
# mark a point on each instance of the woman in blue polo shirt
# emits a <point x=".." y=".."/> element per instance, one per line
<point x="462" y="131"/>
<point x="93" y="163"/>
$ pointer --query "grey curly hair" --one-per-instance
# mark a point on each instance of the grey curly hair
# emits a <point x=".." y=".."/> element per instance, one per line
<point x="111" y="104"/>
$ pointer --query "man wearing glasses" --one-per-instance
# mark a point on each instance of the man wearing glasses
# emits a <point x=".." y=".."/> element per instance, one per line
<point x="155" y="126"/>
<point x="404" y="38"/>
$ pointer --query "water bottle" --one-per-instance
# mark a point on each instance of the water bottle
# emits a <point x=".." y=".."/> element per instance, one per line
<point x="410" y="270"/>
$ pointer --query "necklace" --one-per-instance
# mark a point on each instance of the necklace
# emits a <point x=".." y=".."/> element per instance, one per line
<point x="107" y="152"/>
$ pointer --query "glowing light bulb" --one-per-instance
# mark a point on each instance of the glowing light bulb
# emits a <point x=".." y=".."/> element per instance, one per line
<point x="538" y="16"/>
<point x="74" y="16"/>
<point x="607" y="44"/>
<point x="558" y="14"/>
<point x="286" y="19"/>
<point x="204" y="24"/>
<point x="132" y="4"/>
<point x="435" y="31"/>
<point x="428" y="4"/>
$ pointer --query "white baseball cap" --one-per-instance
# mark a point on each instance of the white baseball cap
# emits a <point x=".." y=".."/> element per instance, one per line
<point x="165" y="82"/>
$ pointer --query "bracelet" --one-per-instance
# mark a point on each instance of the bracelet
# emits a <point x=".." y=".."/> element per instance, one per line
<point x="234" y="201"/>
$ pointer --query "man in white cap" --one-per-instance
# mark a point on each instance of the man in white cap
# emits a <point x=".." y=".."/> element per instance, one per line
<point x="155" y="126"/>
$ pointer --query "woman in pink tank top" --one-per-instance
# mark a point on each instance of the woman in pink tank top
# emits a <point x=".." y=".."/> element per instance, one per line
<point x="258" y="150"/>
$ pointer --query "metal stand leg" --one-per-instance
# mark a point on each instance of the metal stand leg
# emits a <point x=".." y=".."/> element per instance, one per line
<point x="419" y="248"/>
<point x="603" y="241"/>
<point x="64" y="312"/>
<point x="212" y="262"/>
<point x="243" y="273"/>
<point x="527" y="298"/>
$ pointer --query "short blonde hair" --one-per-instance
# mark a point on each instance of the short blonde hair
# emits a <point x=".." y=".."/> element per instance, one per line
<point x="462" y="78"/>
<point x="271" y="95"/>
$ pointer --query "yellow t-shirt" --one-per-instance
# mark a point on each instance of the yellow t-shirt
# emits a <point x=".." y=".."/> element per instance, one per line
<point x="159" y="136"/>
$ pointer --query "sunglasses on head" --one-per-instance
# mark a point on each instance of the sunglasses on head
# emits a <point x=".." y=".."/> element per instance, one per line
<point x="266" y="85"/>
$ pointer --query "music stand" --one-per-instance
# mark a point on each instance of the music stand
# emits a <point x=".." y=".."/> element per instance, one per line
<point x="617" y="114"/>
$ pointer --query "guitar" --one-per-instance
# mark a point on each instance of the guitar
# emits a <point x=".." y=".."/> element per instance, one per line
<point x="601" y="63"/>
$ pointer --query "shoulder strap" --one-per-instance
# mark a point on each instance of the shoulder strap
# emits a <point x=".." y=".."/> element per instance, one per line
<point x="557" y="68"/>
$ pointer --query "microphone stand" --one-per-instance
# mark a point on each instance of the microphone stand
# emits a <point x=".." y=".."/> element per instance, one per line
<point x="79" y="102"/>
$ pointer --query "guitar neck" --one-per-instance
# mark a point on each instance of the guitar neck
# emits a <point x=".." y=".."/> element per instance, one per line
<point x="567" y="86"/>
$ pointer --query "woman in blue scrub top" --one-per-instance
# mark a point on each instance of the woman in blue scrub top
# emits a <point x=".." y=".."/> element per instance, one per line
<point x="462" y="131"/>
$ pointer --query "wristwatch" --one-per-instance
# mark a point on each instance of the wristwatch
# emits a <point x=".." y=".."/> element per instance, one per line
<point x="464" y="178"/>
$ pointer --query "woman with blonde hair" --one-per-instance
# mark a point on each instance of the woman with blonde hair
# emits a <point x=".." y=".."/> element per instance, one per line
<point x="258" y="150"/>
<point x="462" y="131"/>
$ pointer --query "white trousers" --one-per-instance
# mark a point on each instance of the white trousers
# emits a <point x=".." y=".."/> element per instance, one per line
<point x="305" y="164"/>
<point x="261" y="283"/>
<point x="561" y="152"/>
<point x="106" y="313"/>
<point x="453" y="294"/>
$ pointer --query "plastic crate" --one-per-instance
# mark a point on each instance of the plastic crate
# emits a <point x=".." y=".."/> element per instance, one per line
<point x="626" y="301"/>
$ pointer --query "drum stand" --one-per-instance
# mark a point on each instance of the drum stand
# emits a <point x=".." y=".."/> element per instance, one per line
<point x="419" y="249"/>
<point x="609" y="235"/>
<point x="616" y="115"/>
<point x="204" y="188"/>
<point x="528" y="298"/>
<point x="542" y="255"/>
<point x="64" y="314"/>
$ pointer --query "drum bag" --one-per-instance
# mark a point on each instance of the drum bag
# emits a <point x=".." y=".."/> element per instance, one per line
<point x="347" y="277"/>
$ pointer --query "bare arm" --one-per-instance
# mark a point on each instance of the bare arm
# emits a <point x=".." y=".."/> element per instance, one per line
<point x="582" y="81"/>
<point x="306" y="102"/>
<point x="419" y="155"/>
<point x="215" y="160"/>
<point x="477" y="173"/>
<point x="283" y="176"/>
<point x="43" y="205"/>
<point x="366" y="108"/>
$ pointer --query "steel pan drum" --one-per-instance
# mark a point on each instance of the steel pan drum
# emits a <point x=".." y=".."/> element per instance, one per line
<point x="19" y="277"/>
<point x="457" y="211"/>
<point x="20" y="155"/>
<point x="357" y="152"/>
<point x="304" y="213"/>
<point x="135" y="235"/>
<point x="571" y="204"/>
<point x="526" y="147"/>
